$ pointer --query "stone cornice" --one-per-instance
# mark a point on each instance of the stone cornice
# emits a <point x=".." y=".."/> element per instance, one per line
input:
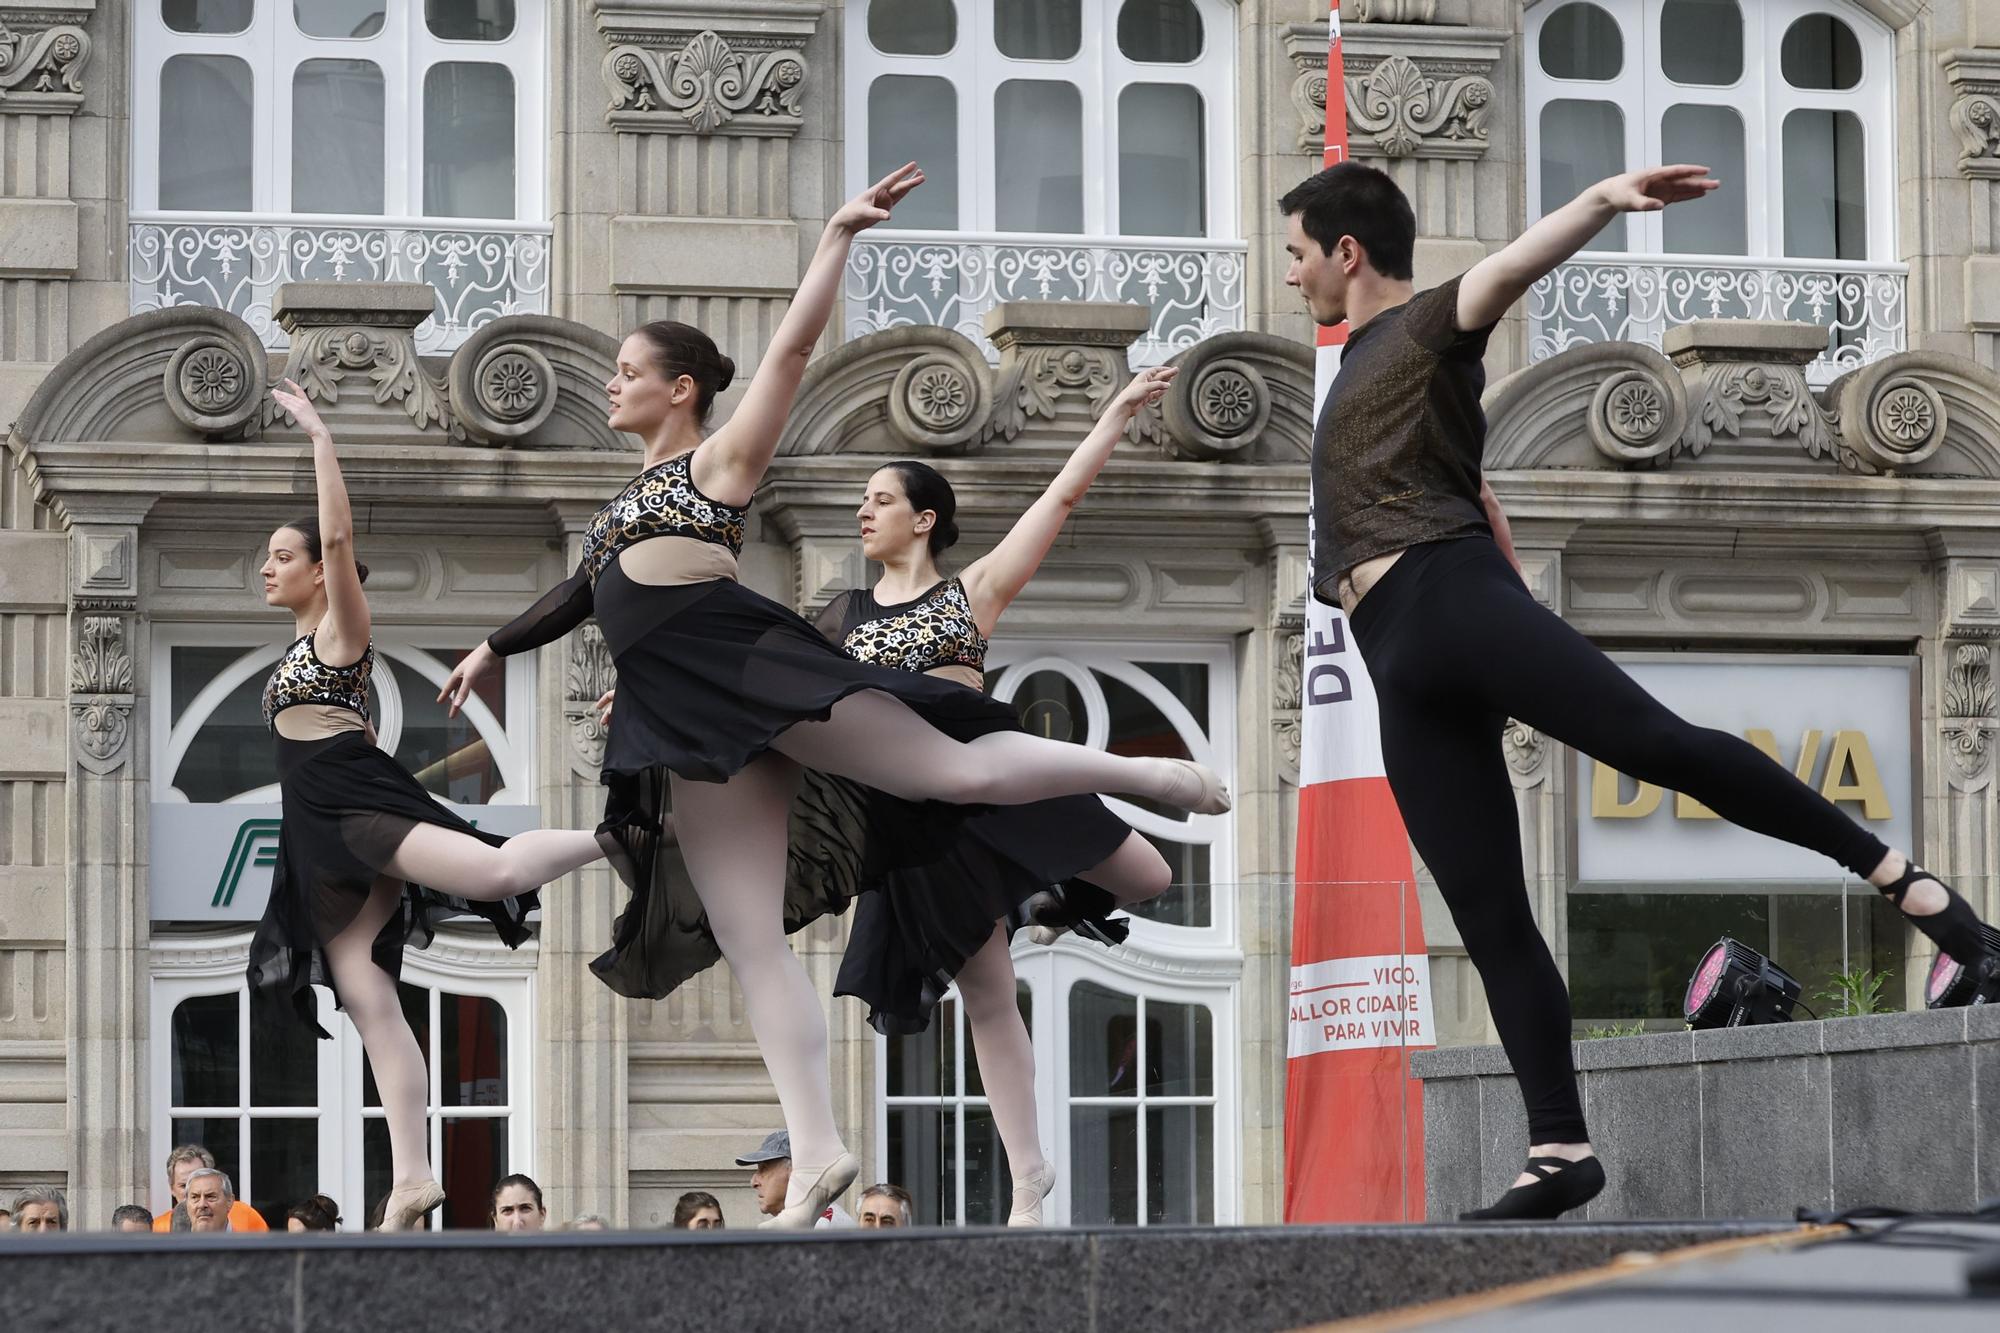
<point x="1974" y="74"/>
<point x="674" y="67"/>
<point x="1412" y="90"/>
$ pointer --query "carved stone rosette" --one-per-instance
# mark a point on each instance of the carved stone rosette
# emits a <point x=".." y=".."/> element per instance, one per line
<point x="100" y="685"/>
<point x="940" y="402"/>
<point x="708" y="84"/>
<point x="43" y="69"/>
<point x="1975" y="114"/>
<point x="587" y="676"/>
<point x="1967" y="720"/>
<point x="215" y="385"/>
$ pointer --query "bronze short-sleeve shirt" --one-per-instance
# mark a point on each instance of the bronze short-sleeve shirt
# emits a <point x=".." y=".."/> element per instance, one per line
<point x="1397" y="449"/>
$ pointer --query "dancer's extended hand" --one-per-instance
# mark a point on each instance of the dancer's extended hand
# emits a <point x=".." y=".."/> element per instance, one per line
<point x="1146" y="388"/>
<point x="1653" y="189"/>
<point x="873" y="204"/>
<point x="458" y="685"/>
<point x="604" y="706"/>
<point x="292" y="398"/>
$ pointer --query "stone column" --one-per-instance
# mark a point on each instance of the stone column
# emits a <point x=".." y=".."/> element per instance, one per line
<point x="582" y="1104"/>
<point x="108" y="918"/>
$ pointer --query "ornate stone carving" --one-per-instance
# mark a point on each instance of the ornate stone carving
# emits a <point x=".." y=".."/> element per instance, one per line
<point x="1968" y="721"/>
<point x="1404" y="111"/>
<point x="707" y="84"/>
<point x="1526" y="749"/>
<point x="587" y="676"/>
<point x="1309" y="96"/>
<point x="939" y="401"/>
<point x="46" y="62"/>
<point x="1635" y="416"/>
<point x="100" y="684"/>
<point x="1040" y="377"/>
<point x="324" y="357"/>
<point x="1728" y="393"/>
<point x="1394" y="11"/>
<point x="213" y="386"/>
<point x="1975" y="114"/>
<point x="1287" y="692"/>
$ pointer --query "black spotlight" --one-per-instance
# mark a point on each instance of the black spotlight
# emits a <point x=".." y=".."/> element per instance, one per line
<point x="1736" y="986"/>
<point x="1952" y="985"/>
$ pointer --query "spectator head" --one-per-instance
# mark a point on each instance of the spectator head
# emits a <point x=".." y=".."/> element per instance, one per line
<point x="886" y="1205"/>
<point x="131" y="1217"/>
<point x="770" y="1170"/>
<point x="209" y="1195"/>
<point x="41" y="1208"/>
<point x="180" y="1162"/>
<point x="318" y="1213"/>
<point x="517" y="1205"/>
<point x="589" y="1222"/>
<point x="698" y="1210"/>
<point x="6" y="1217"/>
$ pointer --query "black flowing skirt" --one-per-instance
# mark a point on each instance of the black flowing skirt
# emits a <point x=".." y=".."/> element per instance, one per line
<point x="347" y="808"/>
<point x="709" y="675"/>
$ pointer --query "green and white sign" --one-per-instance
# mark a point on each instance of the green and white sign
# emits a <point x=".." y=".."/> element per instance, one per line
<point x="213" y="862"/>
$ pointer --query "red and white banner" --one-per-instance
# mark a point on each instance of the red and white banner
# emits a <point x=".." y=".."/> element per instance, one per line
<point x="1360" y="986"/>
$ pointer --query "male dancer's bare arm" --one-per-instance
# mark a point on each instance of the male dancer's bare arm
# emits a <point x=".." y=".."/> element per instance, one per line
<point x="1500" y="279"/>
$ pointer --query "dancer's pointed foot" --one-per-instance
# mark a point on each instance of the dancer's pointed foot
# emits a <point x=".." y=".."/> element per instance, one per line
<point x="1954" y="927"/>
<point x="408" y="1203"/>
<point x="1559" y="1186"/>
<point x="1029" y="1191"/>
<point x="830" y="1184"/>
<point x="1196" y="789"/>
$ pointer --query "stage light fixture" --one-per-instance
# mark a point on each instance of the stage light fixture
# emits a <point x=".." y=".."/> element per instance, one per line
<point x="1736" y="986"/>
<point x="1952" y="985"/>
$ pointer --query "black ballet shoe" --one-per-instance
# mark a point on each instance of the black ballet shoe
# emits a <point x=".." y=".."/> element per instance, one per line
<point x="1563" y="1185"/>
<point x="1083" y="908"/>
<point x="1956" y="930"/>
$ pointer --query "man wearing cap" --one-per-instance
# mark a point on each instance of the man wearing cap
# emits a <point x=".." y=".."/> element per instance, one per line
<point x="771" y="1172"/>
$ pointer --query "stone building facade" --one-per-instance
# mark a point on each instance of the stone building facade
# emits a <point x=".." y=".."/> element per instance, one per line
<point x="1752" y="447"/>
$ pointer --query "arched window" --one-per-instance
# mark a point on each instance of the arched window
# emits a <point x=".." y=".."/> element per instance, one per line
<point x="1788" y="102"/>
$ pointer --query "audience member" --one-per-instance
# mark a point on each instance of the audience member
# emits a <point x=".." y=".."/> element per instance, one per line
<point x="210" y="1200"/>
<point x="589" y="1222"/>
<point x="180" y="1162"/>
<point x="6" y="1218"/>
<point x="318" y="1213"/>
<point x="698" y="1210"/>
<point x="131" y="1217"/>
<point x="40" y="1208"/>
<point x="517" y="1205"/>
<point x="886" y="1205"/>
<point x="771" y="1173"/>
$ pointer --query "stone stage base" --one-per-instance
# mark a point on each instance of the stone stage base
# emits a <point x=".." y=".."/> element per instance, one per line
<point x="1157" y="1279"/>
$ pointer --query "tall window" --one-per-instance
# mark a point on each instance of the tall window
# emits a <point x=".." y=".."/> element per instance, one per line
<point x="1048" y="116"/>
<point x="289" y="1116"/>
<point x="398" y="108"/>
<point x="1788" y="102"/>
<point x="1135" y="1049"/>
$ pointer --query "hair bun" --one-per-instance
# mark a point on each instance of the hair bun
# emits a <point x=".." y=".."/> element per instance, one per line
<point x="950" y="533"/>
<point x="725" y="372"/>
<point x="361" y="571"/>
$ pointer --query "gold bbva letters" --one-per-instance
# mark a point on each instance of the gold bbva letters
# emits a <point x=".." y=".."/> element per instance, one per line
<point x="1851" y="775"/>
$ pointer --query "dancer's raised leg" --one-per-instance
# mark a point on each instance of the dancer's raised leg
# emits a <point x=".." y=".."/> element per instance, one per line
<point x="1007" y="1070"/>
<point x="466" y="867"/>
<point x="877" y="739"/>
<point x="368" y="994"/>
<point x="732" y="835"/>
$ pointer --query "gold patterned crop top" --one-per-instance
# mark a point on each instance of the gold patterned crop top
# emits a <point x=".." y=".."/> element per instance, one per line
<point x="301" y="678"/>
<point x="934" y="631"/>
<point x="661" y="502"/>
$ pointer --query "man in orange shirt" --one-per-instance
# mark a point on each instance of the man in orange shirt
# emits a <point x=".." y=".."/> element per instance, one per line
<point x="183" y="1162"/>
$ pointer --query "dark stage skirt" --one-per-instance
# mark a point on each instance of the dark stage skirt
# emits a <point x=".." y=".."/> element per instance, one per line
<point x="709" y="674"/>
<point x="347" y="807"/>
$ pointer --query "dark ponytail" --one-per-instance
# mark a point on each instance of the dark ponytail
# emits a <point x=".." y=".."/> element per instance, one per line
<point x="926" y="488"/>
<point x="682" y="349"/>
<point x="309" y="529"/>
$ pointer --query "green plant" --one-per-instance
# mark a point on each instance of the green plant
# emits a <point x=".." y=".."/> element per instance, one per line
<point x="1848" y="994"/>
<point x="1595" y="1031"/>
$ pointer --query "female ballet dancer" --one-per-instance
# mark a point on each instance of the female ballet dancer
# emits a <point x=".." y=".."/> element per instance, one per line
<point x="724" y="694"/>
<point x="1068" y="862"/>
<point x="367" y="859"/>
<point x="1419" y="553"/>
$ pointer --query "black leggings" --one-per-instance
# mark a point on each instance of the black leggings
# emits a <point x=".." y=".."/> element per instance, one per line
<point x="1455" y="646"/>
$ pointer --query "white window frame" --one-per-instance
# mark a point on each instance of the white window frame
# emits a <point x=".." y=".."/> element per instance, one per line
<point x="273" y="47"/>
<point x="511" y="741"/>
<point x="1099" y="71"/>
<point x="189" y="966"/>
<point x="1761" y="97"/>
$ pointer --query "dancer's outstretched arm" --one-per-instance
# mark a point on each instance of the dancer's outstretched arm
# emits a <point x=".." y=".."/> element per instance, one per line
<point x="732" y="461"/>
<point x="342" y="636"/>
<point x="996" y="578"/>
<point x="1500" y="279"/>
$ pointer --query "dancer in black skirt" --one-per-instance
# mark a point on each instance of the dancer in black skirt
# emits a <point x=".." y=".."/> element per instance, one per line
<point x="367" y="859"/>
<point x="724" y="694"/>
